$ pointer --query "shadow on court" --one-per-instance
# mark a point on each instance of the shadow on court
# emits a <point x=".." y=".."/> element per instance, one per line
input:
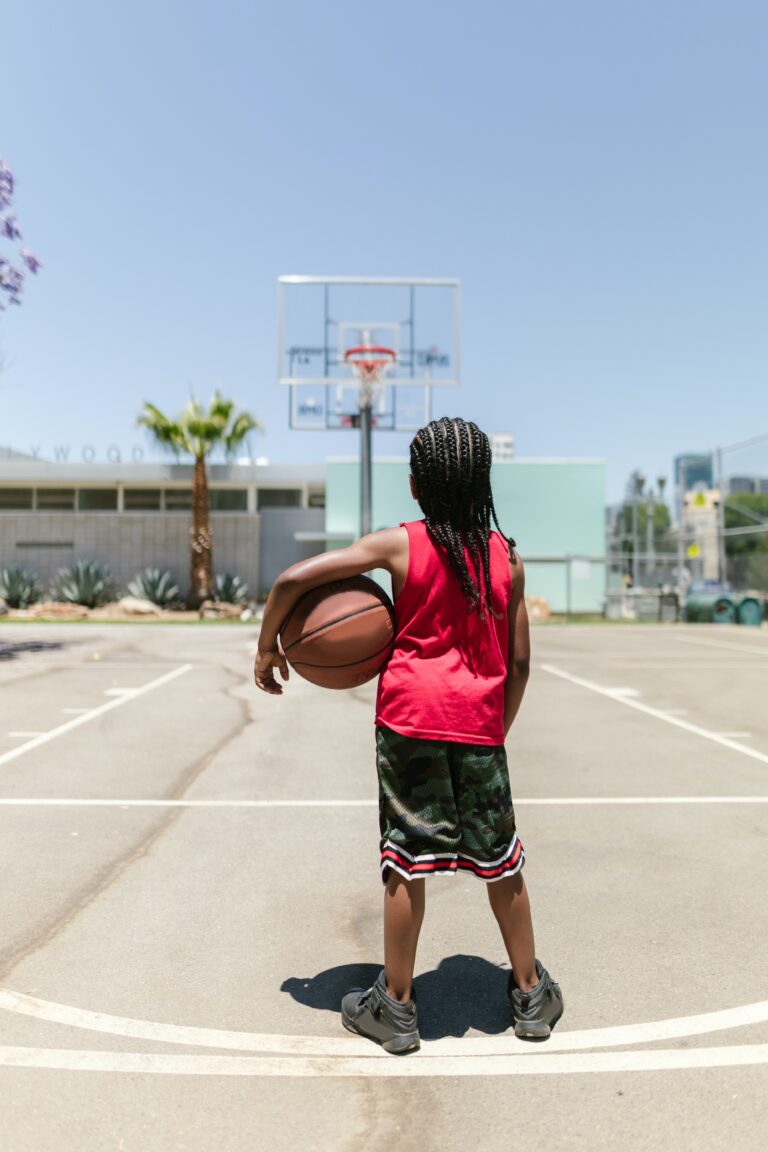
<point x="462" y="993"/>
<point x="11" y="651"/>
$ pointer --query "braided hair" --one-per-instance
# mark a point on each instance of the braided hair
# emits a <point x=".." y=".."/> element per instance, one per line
<point x="451" y="469"/>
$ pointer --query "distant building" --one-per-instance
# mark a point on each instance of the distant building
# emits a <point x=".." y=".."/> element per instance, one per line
<point x="693" y="471"/>
<point x="750" y="485"/>
<point x="265" y="517"/>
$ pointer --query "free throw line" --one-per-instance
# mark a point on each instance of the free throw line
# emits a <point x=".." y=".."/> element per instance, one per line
<point x="420" y="1065"/>
<point x="543" y="801"/>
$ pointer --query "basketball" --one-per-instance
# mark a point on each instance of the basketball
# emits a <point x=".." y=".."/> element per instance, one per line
<point x="340" y="634"/>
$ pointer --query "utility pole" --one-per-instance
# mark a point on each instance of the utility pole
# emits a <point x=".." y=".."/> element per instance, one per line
<point x="722" y="569"/>
<point x="650" y="554"/>
<point x="637" y="483"/>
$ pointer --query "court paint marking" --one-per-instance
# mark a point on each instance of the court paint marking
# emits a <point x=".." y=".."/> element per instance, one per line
<point x="120" y="691"/>
<point x="753" y="650"/>
<point x="736" y="735"/>
<point x="649" y="1032"/>
<point x="668" y="666"/>
<point x="543" y="801"/>
<point x="92" y="713"/>
<point x="725" y="741"/>
<point x="78" y="1060"/>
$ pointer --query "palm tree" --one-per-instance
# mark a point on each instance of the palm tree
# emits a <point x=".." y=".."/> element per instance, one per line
<point x="199" y="433"/>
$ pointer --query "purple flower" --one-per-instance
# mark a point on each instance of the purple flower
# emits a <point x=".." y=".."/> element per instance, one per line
<point x="9" y="228"/>
<point x="6" y="185"/>
<point x="12" y="276"/>
<point x="31" y="261"/>
<point x="11" y="281"/>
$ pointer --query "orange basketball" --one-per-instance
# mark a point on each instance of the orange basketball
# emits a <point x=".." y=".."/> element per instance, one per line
<point x="340" y="634"/>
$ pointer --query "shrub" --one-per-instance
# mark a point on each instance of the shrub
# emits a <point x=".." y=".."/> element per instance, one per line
<point x="19" y="587"/>
<point x="154" y="585"/>
<point x="230" y="589"/>
<point x="86" y="582"/>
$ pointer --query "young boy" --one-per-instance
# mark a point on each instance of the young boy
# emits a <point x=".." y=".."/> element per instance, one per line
<point x="446" y="701"/>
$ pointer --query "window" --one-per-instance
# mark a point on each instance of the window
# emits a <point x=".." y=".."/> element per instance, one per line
<point x="13" y="498"/>
<point x="229" y="500"/>
<point x="278" y="498"/>
<point x="178" y="499"/>
<point x="316" y="500"/>
<point x="55" y="499"/>
<point x="141" y="499"/>
<point x="97" y="500"/>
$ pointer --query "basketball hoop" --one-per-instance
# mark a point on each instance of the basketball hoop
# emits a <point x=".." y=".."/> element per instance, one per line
<point x="370" y="363"/>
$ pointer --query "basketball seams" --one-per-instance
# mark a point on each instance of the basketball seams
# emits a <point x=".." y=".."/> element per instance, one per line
<point x="338" y="620"/>
<point x="351" y="664"/>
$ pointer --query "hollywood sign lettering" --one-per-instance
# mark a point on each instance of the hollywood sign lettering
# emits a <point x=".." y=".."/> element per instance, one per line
<point x="88" y="453"/>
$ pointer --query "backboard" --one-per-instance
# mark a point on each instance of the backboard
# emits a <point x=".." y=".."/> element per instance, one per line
<point x="320" y="318"/>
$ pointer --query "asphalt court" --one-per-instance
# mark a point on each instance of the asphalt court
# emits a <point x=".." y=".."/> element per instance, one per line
<point x="191" y="882"/>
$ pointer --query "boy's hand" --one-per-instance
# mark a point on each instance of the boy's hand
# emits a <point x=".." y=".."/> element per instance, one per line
<point x="263" y="670"/>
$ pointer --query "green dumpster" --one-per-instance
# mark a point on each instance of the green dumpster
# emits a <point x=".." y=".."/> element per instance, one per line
<point x="710" y="608"/>
<point x="750" y="611"/>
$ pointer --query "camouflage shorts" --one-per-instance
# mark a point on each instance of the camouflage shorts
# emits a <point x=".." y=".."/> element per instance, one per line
<point x="445" y="807"/>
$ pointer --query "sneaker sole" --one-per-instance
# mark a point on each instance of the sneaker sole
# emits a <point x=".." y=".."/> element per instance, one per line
<point x="525" y="1031"/>
<point x="397" y="1046"/>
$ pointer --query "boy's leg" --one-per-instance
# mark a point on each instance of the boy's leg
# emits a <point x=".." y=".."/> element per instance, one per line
<point x="403" y="917"/>
<point x="509" y="901"/>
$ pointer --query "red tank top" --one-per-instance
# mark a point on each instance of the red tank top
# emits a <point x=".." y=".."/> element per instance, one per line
<point x="445" y="678"/>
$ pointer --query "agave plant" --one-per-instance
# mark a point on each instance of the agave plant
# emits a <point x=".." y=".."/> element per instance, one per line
<point x="155" y="585"/>
<point x="19" y="587"/>
<point x="230" y="589"/>
<point x="86" y="582"/>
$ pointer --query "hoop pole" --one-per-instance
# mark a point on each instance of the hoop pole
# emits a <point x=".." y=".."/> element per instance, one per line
<point x="366" y="470"/>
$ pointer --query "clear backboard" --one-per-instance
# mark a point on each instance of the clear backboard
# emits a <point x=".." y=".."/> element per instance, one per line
<point x="325" y="326"/>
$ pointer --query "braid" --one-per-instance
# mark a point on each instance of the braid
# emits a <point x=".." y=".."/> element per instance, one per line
<point x="451" y="468"/>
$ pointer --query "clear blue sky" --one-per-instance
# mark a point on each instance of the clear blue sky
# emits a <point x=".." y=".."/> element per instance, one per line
<point x="595" y="173"/>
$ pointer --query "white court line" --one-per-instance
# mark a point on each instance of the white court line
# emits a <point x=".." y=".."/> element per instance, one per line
<point x="736" y="735"/>
<point x="418" y="1065"/>
<point x="91" y="714"/>
<point x="725" y="741"/>
<point x="649" y="1032"/>
<point x="120" y="691"/>
<point x="753" y="650"/>
<point x="542" y="801"/>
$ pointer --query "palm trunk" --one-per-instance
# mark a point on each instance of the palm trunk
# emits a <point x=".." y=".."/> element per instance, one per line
<point x="201" y="539"/>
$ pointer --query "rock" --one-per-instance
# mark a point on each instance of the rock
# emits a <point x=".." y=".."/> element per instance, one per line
<point x="135" y="606"/>
<point x="218" y="610"/>
<point x="538" y="608"/>
<point x="54" y="610"/>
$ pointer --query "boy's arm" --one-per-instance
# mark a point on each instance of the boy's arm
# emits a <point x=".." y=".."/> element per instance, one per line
<point x="377" y="550"/>
<point x="519" y="645"/>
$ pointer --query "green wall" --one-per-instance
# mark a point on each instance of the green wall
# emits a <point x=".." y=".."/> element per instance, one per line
<point x="554" y="509"/>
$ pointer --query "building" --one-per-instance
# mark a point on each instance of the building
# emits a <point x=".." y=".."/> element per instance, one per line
<point x="692" y="470"/>
<point x="135" y="515"/>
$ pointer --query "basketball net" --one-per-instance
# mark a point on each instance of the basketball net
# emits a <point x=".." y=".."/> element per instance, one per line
<point x="370" y="364"/>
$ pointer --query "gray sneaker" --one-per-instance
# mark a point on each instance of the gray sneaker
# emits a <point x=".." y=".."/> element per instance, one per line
<point x="536" y="1012"/>
<point x="377" y="1016"/>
